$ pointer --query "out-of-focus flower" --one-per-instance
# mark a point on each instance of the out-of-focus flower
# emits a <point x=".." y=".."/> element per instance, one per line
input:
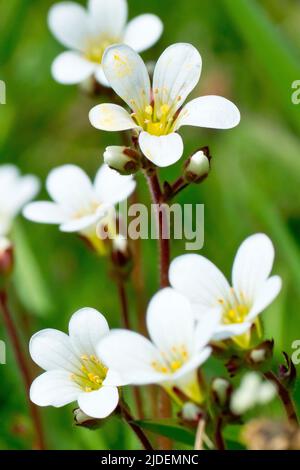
<point x="265" y="434"/>
<point x="6" y="256"/>
<point x="88" y="32"/>
<point x="74" y="371"/>
<point x="253" y="290"/>
<point x="177" y="347"/>
<point x="15" y="192"/>
<point x="78" y="204"/>
<point x="156" y="110"/>
<point x="252" y="391"/>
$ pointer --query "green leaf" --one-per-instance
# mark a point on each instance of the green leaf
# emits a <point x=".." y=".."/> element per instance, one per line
<point x="168" y="428"/>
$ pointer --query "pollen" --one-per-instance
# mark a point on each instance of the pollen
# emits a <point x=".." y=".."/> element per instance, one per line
<point x="91" y="375"/>
<point x="171" y="361"/>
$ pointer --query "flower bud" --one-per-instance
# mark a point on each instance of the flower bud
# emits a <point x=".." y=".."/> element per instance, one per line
<point x="191" y="412"/>
<point x="258" y="358"/>
<point x="85" y="421"/>
<point x="121" y="256"/>
<point x="125" y="160"/>
<point x="287" y="372"/>
<point x="221" y="392"/>
<point x="197" y="166"/>
<point x="6" y="257"/>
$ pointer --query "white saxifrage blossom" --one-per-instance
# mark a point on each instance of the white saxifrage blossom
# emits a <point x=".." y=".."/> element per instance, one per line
<point x="177" y="347"/>
<point x="74" y="371"/>
<point x="15" y="192"/>
<point x="252" y="391"/>
<point x="157" y="112"/>
<point x="252" y="289"/>
<point x="88" y="32"/>
<point x="78" y="204"/>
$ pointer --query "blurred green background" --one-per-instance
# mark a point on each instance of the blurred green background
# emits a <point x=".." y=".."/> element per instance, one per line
<point x="250" y="52"/>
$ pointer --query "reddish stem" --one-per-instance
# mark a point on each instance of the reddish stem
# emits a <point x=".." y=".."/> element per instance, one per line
<point x="23" y="366"/>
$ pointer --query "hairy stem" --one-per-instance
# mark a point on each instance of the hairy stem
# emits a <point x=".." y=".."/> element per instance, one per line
<point x="135" y="428"/>
<point x="284" y="397"/>
<point x="23" y="366"/>
<point x="164" y="405"/>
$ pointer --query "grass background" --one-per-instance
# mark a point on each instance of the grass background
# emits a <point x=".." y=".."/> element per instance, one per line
<point x="250" y="52"/>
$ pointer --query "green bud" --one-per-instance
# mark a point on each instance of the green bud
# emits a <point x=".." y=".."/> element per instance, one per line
<point x="124" y="160"/>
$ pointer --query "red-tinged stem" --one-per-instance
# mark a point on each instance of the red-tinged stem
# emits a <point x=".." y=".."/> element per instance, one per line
<point x="219" y="441"/>
<point x="23" y="366"/>
<point x="135" y="428"/>
<point x="284" y="397"/>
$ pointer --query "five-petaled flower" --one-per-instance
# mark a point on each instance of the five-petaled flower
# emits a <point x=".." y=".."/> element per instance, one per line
<point x="157" y="112"/>
<point x="89" y="32"/>
<point x="78" y="204"/>
<point x="15" y="192"/>
<point x="177" y="348"/>
<point x="251" y="292"/>
<point x="74" y="371"/>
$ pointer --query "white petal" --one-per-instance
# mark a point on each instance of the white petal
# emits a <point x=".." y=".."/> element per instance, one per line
<point x="128" y="76"/>
<point x="229" y="331"/>
<point x="100" y="76"/>
<point x="265" y="296"/>
<point x="207" y="326"/>
<point x="212" y="112"/>
<point x="87" y="326"/>
<point x="176" y="74"/>
<point x="99" y="404"/>
<point x="199" y="279"/>
<point x="162" y="151"/>
<point x="196" y="361"/>
<point x="27" y="188"/>
<point x="82" y="224"/>
<point x="70" y="68"/>
<point x="113" y="379"/>
<point x="170" y="321"/>
<point x="131" y="356"/>
<point x="44" y="212"/>
<point x="267" y="392"/>
<point x="54" y="388"/>
<point x="111" y="117"/>
<point x="143" y="31"/>
<point x="252" y="266"/>
<point x="111" y="187"/>
<point x="68" y="22"/>
<point x="9" y="174"/>
<point x="52" y="350"/>
<point x="70" y="187"/>
<point x="108" y="18"/>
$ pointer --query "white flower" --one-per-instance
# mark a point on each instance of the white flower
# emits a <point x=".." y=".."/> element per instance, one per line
<point x="157" y="112"/>
<point x="252" y="391"/>
<point x="74" y="371"/>
<point x="253" y="290"/>
<point x="177" y="347"/>
<point x="15" y="192"/>
<point x="78" y="204"/>
<point x="88" y="32"/>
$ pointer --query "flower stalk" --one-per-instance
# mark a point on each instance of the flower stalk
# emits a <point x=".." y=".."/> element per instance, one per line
<point x="285" y="397"/>
<point x="24" y="369"/>
<point x="135" y="428"/>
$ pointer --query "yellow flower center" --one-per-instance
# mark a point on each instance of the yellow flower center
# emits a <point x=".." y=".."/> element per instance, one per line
<point x="158" y="119"/>
<point x="236" y="314"/>
<point x="95" y="48"/>
<point x="172" y="361"/>
<point x="92" y="374"/>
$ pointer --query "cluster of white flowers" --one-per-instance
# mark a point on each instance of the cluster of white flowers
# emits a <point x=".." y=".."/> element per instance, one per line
<point x="200" y="307"/>
<point x="182" y="321"/>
